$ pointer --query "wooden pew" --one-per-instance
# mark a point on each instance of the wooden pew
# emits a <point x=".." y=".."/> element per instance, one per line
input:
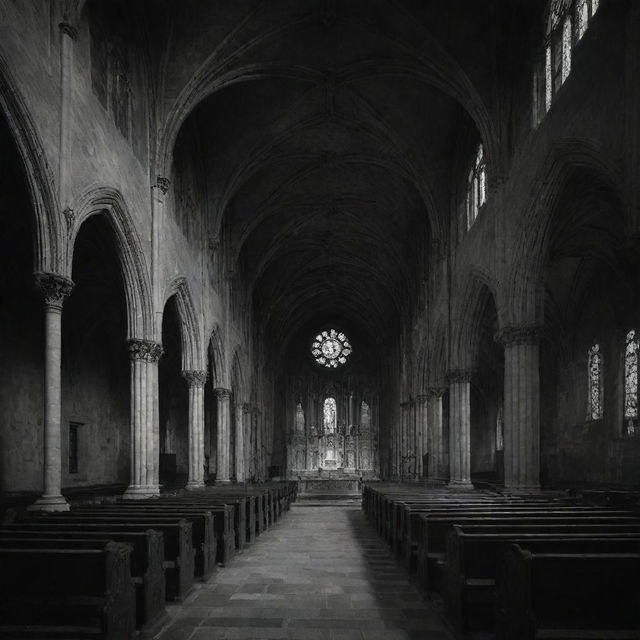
<point x="472" y="563"/>
<point x="146" y="563"/>
<point x="179" y="554"/>
<point x="66" y="593"/>
<point x="203" y="529"/>
<point x="559" y="595"/>
<point x="432" y="551"/>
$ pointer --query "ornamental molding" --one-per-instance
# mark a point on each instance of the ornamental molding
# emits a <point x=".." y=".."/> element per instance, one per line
<point x="436" y="392"/>
<point x="459" y="376"/>
<point x="146" y="350"/>
<point x="70" y="216"/>
<point x="527" y="334"/>
<point x="54" y="288"/>
<point x="222" y="393"/>
<point x="162" y="184"/>
<point x="69" y="30"/>
<point x="195" y="378"/>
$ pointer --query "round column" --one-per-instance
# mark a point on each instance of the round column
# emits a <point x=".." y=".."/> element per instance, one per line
<point x="54" y="289"/>
<point x="460" y="429"/>
<point x="223" y="398"/>
<point x="521" y="407"/>
<point x="196" y="381"/>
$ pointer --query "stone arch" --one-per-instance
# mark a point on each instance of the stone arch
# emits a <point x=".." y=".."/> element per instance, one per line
<point x="238" y="380"/>
<point x="109" y="201"/>
<point x="192" y="355"/>
<point x="218" y="371"/>
<point x="466" y="323"/>
<point x="49" y="237"/>
<point x="525" y="289"/>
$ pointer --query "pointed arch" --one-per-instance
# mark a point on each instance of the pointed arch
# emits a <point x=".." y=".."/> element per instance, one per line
<point x="218" y="373"/>
<point x="49" y="235"/>
<point x="192" y="354"/>
<point x="479" y="291"/>
<point x="525" y="290"/>
<point x="109" y="201"/>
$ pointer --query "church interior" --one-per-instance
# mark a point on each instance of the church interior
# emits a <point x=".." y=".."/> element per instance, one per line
<point x="320" y="319"/>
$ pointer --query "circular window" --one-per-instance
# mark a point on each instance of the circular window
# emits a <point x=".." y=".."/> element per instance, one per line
<point x="331" y="348"/>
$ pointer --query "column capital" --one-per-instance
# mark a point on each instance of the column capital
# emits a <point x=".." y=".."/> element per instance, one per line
<point x="221" y="393"/>
<point x="456" y="376"/>
<point x="162" y="184"/>
<point x="69" y="29"/>
<point x="195" y="378"/>
<point x="422" y="398"/>
<point x="436" y="392"/>
<point x="246" y="407"/>
<point x="525" y="334"/>
<point x="145" y="350"/>
<point x="54" y="288"/>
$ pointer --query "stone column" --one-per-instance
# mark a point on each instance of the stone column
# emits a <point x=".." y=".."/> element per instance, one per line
<point x="223" y="396"/>
<point x="54" y="289"/>
<point x="435" y="434"/>
<point x="239" y="442"/>
<point x="460" y="429"/>
<point x="521" y="407"/>
<point x="144" y="481"/>
<point x="421" y="434"/>
<point x="196" y="380"/>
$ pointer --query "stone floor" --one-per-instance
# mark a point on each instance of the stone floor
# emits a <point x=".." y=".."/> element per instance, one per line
<point x="321" y="573"/>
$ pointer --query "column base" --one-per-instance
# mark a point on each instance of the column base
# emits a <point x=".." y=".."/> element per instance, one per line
<point x="195" y="484"/>
<point x="223" y="482"/>
<point x="50" y="503"/>
<point x="141" y="492"/>
<point x="460" y="485"/>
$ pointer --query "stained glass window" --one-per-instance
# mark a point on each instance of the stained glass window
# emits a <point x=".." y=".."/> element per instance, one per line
<point x="330" y="415"/>
<point x="567" y="23"/>
<point x="595" y="383"/>
<point x="476" y="187"/>
<point x="299" y="417"/>
<point x="331" y="348"/>
<point x="631" y="382"/>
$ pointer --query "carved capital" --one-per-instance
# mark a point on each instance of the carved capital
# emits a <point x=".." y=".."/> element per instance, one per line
<point x="162" y="184"/>
<point x="195" y="378"/>
<point x="145" y="350"/>
<point x="246" y="408"/>
<point x="222" y="393"/>
<point x="54" y="288"/>
<point x="422" y="398"/>
<point x="67" y="29"/>
<point x="69" y="215"/>
<point x="528" y="334"/>
<point x="436" y="392"/>
<point x="456" y="376"/>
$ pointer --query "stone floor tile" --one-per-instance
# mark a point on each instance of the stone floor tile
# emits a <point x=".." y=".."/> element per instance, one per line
<point x="320" y="573"/>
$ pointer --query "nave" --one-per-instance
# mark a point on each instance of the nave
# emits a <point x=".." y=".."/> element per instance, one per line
<point x="321" y="573"/>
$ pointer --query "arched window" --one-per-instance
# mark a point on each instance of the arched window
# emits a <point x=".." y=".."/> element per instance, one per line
<point x="330" y="415"/>
<point x="299" y="417"/>
<point x="594" y="370"/>
<point x="567" y="22"/>
<point x="365" y="416"/>
<point x="476" y="187"/>
<point x="630" y="383"/>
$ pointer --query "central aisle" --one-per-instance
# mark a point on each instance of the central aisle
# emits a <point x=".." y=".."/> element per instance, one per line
<point x="321" y="573"/>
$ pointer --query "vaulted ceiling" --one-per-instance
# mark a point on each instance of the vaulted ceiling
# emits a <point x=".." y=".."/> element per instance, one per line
<point x="330" y="134"/>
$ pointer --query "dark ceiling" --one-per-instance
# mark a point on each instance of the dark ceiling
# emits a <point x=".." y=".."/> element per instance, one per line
<point x="330" y="133"/>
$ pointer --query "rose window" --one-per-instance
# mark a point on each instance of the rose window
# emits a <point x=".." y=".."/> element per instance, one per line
<point x="331" y="348"/>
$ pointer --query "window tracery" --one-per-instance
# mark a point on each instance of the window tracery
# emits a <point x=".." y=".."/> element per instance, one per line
<point x="631" y="383"/>
<point x="331" y="348"/>
<point x="476" y="187"/>
<point x="330" y="415"/>
<point x="595" y="387"/>
<point x="568" y="21"/>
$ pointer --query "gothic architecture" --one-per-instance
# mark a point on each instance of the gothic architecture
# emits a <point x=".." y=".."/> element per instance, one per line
<point x="242" y="240"/>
